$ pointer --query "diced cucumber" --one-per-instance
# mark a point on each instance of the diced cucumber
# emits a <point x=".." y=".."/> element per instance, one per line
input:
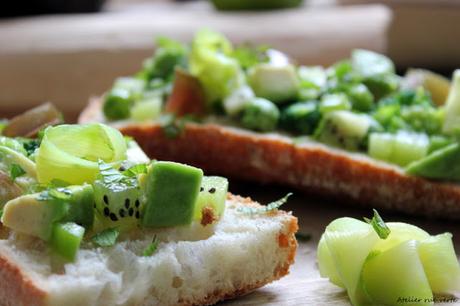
<point x="440" y="263"/>
<point x="171" y="191"/>
<point x="301" y="117"/>
<point x="401" y="148"/>
<point x="396" y="274"/>
<point x="441" y="164"/>
<point x="361" y="98"/>
<point x="66" y="239"/>
<point x="213" y="193"/>
<point x="334" y="102"/>
<point x="260" y="115"/>
<point x="344" y="129"/>
<point x="368" y="63"/>
<point x="147" y="109"/>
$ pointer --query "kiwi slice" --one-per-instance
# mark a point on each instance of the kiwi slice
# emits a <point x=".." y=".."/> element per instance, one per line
<point x="119" y="206"/>
<point x="210" y="203"/>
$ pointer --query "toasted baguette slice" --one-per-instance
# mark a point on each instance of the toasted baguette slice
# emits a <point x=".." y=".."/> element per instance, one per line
<point x="192" y="265"/>
<point x="310" y="166"/>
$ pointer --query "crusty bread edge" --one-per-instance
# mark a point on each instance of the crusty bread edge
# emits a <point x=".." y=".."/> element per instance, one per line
<point x="19" y="289"/>
<point x="353" y="178"/>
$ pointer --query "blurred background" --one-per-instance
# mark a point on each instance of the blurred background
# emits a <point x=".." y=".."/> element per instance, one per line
<point x="67" y="51"/>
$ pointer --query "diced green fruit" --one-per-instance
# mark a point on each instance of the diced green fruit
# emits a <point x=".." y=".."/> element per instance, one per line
<point x="334" y="102"/>
<point x="401" y="148"/>
<point x="344" y="129"/>
<point x="361" y="98"/>
<point x="260" y="114"/>
<point x="145" y="110"/>
<point x="452" y="119"/>
<point x="302" y="117"/>
<point x="438" y="142"/>
<point x="171" y="191"/>
<point x="368" y="63"/>
<point x="441" y="164"/>
<point x="275" y="83"/>
<point x="117" y="104"/>
<point x="118" y="205"/>
<point x="399" y="233"/>
<point x="30" y="216"/>
<point x="390" y="276"/>
<point x="66" y="239"/>
<point x="440" y="263"/>
<point x="382" y="85"/>
<point x="80" y="205"/>
<point x="350" y="256"/>
<point x="237" y="100"/>
<point x="213" y="194"/>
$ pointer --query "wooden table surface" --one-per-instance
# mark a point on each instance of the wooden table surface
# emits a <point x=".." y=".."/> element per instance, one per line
<point x="303" y="286"/>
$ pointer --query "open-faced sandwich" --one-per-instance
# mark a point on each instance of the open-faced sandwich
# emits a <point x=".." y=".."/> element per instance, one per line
<point x="355" y="130"/>
<point x="88" y="219"/>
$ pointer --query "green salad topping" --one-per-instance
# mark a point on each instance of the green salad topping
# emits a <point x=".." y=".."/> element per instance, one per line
<point x="357" y="104"/>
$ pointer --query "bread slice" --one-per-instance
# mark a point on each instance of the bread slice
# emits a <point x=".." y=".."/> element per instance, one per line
<point x="192" y="265"/>
<point x="309" y="166"/>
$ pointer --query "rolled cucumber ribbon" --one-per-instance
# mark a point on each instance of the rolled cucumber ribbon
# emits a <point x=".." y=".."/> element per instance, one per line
<point x="70" y="153"/>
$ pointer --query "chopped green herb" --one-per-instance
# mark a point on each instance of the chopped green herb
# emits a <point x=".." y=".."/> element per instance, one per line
<point x="111" y="176"/>
<point x="135" y="170"/>
<point x="379" y="225"/>
<point x="106" y="238"/>
<point x="249" y="56"/>
<point x="151" y="249"/>
<point x="303" y="237"/>
<point x="59" y="193"/>
<point x="16" y="171"/>
<point x="273" y="206"/>
<point x="30" y="145"/>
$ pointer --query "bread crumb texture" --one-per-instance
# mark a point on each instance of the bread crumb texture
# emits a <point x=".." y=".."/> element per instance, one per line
<point x="192" y="266"/>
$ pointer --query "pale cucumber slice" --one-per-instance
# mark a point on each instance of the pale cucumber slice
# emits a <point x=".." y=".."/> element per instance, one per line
<point x="440" y="263"/>
<point x="396" y="274"/>
<point x="400" y="232"/>
<point x="349" y="257"/>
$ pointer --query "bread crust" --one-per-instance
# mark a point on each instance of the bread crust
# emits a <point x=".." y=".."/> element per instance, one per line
<point x="18" y="289"/>
<point x="312" y="167"/>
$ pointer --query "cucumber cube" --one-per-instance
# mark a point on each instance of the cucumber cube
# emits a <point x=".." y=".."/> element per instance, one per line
<point x="171" y="191"/>
<point x="66" y="239"/>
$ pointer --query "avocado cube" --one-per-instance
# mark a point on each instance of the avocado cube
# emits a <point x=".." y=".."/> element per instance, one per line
<point x="171" y="193"/>
<point x="66" y="239"/>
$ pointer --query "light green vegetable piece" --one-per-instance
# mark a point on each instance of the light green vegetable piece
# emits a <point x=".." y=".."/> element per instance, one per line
<point x="396" y="274"/>
<point x="147" y="109"/>
<point x="440" y="263"/>
<point x="368" y="63"/>
<point x="260" y="115"/>
<point x="211" y="62"/>
<point x="452" y="116"/>
<point x="66" y="239"/>
<point x="277" y="83"/>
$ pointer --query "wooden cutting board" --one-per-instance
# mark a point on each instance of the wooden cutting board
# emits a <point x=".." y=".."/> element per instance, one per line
<point x="304" y="286"/>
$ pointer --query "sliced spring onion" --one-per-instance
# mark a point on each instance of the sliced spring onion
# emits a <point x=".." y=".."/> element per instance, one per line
<point x="70" y="152"/>
<point x="440" y="263"/>
<point x="396" y="274"/>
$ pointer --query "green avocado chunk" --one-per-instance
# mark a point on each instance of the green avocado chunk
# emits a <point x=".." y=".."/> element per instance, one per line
<point x="441" y="164"/>
<point x="28" y="215"/>
<point x="275" y="83"/>
<point x="66" y="239"/>
<point x="171" y="191"/>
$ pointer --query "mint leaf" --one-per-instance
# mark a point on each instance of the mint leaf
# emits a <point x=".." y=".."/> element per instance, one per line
<point x="265" y="209"/>
<point x="152" y="247"/>
<point x="16" y="171"/>
<point x="114" y="178"/>
<point x="379" y="225"/>
<point x="106" y="238"/>
<point x="135" y="170"/>
<point x="60" y="194"/>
